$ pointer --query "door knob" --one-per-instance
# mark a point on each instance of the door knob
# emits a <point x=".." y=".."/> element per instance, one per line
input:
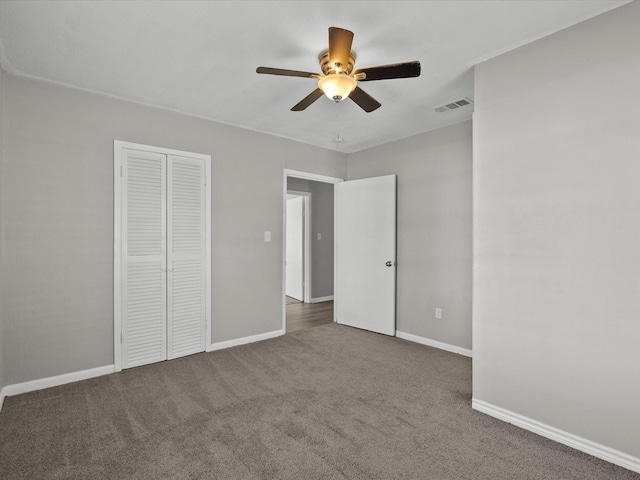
<point x="389" y="263"/>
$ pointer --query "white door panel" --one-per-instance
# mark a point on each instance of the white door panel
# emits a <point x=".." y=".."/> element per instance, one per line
<point x="365" y="279"/>
<point x="144" y="258"/>
<point x="186" y="256"/>
<point x="186" y="308"/>
<point x="145" y="314"/>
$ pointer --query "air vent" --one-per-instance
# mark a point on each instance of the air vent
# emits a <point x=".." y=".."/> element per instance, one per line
<point x="463" y="102"/>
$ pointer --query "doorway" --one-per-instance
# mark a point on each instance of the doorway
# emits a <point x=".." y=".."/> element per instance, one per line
<point x="364" y="264"/>
<point x="316" y="307"/>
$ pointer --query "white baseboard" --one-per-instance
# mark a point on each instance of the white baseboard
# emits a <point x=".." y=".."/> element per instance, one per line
<point x="244" y="340"/>
<point x="33" y="385"/>
<point x="592" y="448"/>
<point x="321" y="299"/>
<point x="434" y="343"/>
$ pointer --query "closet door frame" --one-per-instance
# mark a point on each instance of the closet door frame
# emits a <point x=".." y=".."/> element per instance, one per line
<point x="118" y="154"/>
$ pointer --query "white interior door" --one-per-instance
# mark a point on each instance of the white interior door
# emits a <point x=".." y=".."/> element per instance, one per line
<point x="365" y="254"/>
<point x="294" y="248"/>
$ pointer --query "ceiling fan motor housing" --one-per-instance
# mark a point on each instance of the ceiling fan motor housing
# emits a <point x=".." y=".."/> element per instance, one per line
<point x="327" y="67"/>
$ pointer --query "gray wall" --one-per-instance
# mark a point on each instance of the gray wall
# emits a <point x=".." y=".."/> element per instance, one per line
<point x="556" y="328"/>
<point x="321" y="222"/>
<point x="57" y="190"/>
<point x="434" y="229"/>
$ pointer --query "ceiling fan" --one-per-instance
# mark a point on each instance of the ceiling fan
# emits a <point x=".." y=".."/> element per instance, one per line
<point x="338" y="80"/>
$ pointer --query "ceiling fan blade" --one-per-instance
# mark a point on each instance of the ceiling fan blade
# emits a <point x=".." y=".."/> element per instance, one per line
<point x="308" y="100"/>
<point x="339" y="46"/>
<point x="286" y="73"/>
<point x="396" y="70"/>
<point x="364" y="100"/>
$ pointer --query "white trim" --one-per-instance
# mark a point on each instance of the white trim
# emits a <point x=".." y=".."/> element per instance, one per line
<point x="305" y="176"/>
<point x="244" y="340"/>
<point x="33" y="385"/>
<point x="118" y="147"/>
<point x="434" y="343"/>
<point x="587" y="446"/>
<point x="207" y="250"/>
<point x="118" y="144"/>
<point x="306" y="196"/>
<point x="310" y="176"/>
<point x="322" y="299"/>
<point x="117" y="254"/>
<point x="335" y="258"/>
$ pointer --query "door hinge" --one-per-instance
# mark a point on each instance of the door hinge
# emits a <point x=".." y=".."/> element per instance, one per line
<point x="121" y="337"/>
<point x="205" y="179"/>
<point x="120" y="170"/>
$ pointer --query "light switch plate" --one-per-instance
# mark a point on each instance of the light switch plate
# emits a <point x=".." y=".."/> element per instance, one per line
<point x="267" y="236"/>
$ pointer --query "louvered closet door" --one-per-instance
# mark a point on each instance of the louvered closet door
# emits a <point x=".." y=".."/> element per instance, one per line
<point x="144" y="312"/>
<point x="186" y="281"/>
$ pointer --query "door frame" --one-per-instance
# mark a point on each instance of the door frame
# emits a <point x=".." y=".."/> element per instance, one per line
<point x="306" y="244"/>
<point x="118" y="152"/>
<point x="287" y="173"/>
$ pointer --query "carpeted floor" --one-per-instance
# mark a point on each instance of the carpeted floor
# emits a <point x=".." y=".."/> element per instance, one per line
<point x="329" y="402"/>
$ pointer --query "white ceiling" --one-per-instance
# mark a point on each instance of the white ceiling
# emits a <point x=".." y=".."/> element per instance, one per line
<point x="200" y="57"/>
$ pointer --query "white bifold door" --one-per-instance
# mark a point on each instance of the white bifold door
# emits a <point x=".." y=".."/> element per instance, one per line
<point x="164" y="303"/>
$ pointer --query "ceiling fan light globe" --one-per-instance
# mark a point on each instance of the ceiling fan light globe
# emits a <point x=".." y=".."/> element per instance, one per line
<point x="337" y="86"/>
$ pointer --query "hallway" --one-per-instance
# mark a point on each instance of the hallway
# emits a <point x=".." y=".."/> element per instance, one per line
<point x="302" y="315"/>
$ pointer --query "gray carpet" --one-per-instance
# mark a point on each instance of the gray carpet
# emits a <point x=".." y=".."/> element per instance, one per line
<point x="324" y="403"/>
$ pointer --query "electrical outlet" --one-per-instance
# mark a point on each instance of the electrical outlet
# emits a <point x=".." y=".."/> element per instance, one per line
<point x="438" y="313"/>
